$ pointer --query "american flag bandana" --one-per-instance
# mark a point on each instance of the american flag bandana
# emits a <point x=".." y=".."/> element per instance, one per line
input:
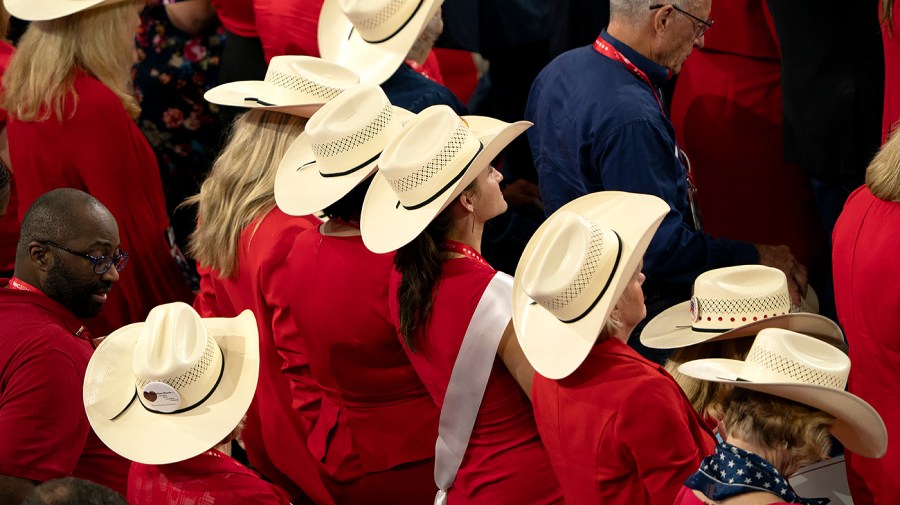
<point x="731" y="471"/>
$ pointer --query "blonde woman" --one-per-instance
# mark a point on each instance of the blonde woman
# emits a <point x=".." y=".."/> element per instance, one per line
<point x="867" y="294"/>
<point x="68" y="95"/>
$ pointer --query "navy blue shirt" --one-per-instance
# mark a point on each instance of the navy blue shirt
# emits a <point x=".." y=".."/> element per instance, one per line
<point x="415" y="92"/>
<point x="599" y="127"/>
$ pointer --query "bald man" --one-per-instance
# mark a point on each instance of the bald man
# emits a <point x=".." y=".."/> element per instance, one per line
<point x="68" y="259"/>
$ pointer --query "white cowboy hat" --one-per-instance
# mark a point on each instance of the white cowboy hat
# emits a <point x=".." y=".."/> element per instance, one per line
<point x="44" y="10"/>
<point x="297" y="85"/>
<point x="735" y="302"/>
<point x="174" y="386"/>
<point x="372" y="37"/>
<point x="338" y="149"/>
<point x="806" y="370"/>
<point x="574" y="270"/>
<point x="424" y="168"/>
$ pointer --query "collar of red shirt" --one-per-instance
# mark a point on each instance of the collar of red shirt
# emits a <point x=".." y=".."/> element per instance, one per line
<point x="69" y="320"/>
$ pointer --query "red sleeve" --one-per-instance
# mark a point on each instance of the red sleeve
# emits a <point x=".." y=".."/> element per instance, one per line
<point x="42" y="417"/>
<point x="653" y="426"/>
<point x="206" y="303"/>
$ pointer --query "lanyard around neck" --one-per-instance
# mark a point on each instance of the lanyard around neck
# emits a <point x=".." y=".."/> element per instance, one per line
<point x="466" y="250"/>
<point x="603" y="47"/>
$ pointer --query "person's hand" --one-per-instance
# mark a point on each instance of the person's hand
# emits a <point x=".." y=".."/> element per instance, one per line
<point x="780" y="257"/>
<point x="521" y="192"/>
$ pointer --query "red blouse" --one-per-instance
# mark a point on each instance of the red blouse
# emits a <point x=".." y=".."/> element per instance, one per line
<point x="236" y="16"/>
<point x="274" y="434"/>
<point x="100" y="149"/>
<point x="288" y="27"/>
<point x="619" y="430"/>
<point x="376" y="415"/>
<point x="505" y="461"/>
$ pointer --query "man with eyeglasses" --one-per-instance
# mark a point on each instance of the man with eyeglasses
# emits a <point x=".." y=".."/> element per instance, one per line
<point x="68" y="259"/>
<point x="600" y="123"/>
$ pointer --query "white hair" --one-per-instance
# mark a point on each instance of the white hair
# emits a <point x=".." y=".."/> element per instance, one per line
<point x="636" y="10"/>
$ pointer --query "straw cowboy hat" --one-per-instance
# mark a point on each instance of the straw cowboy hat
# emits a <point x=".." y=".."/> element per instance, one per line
<point x="172" y="387"/>
<point x="43" y="10"/>
<point x="735" y="302"/>
<point x="338" y="149"/>
<point x="574" y="270"/>
<point x="372" y="37"/>
<point x="297" y="85"/>
<point x="806" y="370"/>
<point x="424" y="168"/>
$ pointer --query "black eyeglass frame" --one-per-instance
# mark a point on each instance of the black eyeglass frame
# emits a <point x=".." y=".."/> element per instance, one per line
<point x="97" y="261"/>
<point x="705" y="24"/>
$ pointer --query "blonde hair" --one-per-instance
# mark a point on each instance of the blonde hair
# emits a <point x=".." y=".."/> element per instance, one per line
<point x="705" y="396"/>
<point x="42" y="72"/>
<point x="241" y="186"/>
<point x="883" y="174"/>
<point x="797" y="434"/>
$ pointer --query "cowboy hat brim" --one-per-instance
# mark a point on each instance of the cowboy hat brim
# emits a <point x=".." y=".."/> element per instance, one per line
<point x="554" y="348"/>
<point x="241" y="94"/>
<point x="340" y="43"/>
<point x="671" y="329"/>
<point x="301" y="189"/>
<point x="387" y="226"/>
<point x="44" y="10"/>
<point x="857" y="425"/>
<point x="152" y="438"/>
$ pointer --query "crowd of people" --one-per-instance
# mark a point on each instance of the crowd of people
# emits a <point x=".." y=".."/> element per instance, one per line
<point x="250" y="253"/>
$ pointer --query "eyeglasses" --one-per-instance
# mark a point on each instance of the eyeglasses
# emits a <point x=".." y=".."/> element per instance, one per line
<point x="702" y="24"/>
<point x="101" y="263"/>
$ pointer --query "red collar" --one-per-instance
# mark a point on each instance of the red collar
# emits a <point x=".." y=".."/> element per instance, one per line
<point x="35" y="296"/>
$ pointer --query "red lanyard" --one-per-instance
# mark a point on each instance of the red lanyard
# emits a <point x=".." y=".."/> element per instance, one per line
<point x="21" y="285"/>
<point x="464" y="249"/>
<point x="603" y="47"/>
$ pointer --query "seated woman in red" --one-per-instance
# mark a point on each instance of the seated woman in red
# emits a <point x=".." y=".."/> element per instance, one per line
<point x="433" y="192"/>
<point x="166" y="393"/>
<point x="243" y="237"/>
<point x="617" y="427"/>
<point x="71" y="125"/>
<point x="787" y="402"/>
<point x="374" y="435"/>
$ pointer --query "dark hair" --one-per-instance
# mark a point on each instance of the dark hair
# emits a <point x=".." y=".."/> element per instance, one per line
<point x="72" y="491"/>
<point x="419" y="264"/>
<point x="55" y="216"/>
<point x="349" y="207"/>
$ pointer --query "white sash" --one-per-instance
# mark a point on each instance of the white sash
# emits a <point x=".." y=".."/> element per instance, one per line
<point x="469" y="380"/>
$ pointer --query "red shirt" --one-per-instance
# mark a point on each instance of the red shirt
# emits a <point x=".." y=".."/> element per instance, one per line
<point x="236" y="16"/>
<point x="102" y="151"/>
<point x="9" y="223"/>
<point x="619" y="430"/>
<point x="212" y="478"/>
<point x="505" y="461"/>
<point x="376" y="415"/>
<point x="43" y="357"/>
<point x="288" y="27"/>
<point x="274" y="434"/>
<point x="867" y="297"/>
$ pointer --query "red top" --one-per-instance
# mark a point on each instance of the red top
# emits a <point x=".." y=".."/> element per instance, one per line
<point x="44" y="354"/>
<point x="619" y="430"/>
<point x="102" y="151"/>
<point x="687" y="497"/>
<point x="276" y="441"/>
<point x="236" y="16"/>
<point x="375" y="414"/>
<point x="505" y="461"/>
<point x="288" y="27"/>
<point x="9" y="223"/>
<point x="891" y="74"/>
<point x="212" y="478"/>
<point x="867" y="296"/>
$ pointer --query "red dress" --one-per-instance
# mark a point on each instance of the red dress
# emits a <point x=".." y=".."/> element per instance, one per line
<point x="274" y="434"/>
<point x="867" y="295"/>
<point x="288" y="27"/>
<point x="102" y="151"/>
<point x="236" y="16"/>
<point x="619" y="430"/>
<point x="44" y="354"/>
<point x="377" y="426"/>
<point x="505" y="461"/>
<point x="211" y="478"/>
<point x="727" y="115"/>
<point x="9" y="223"/>
<point x="891" y="74"/>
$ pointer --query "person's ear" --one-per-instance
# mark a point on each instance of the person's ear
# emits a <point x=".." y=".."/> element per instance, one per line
<point x="662" y="18"/>
<point x="40" y="256"/>
<point x="466" y="199"/>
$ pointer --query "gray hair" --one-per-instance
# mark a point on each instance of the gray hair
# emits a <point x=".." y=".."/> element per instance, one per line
<point x="636" y="10"/>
